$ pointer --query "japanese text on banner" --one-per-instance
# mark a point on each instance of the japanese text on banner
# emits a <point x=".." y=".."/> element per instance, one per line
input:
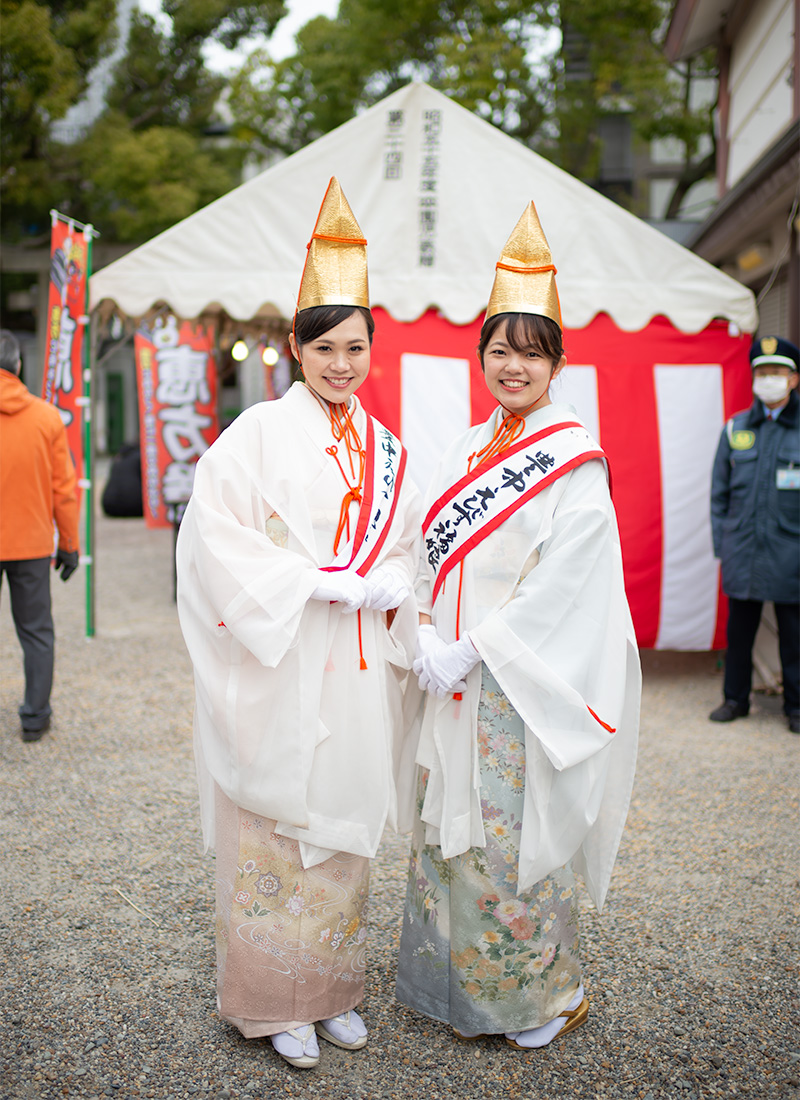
<point x="62" y="383"/>
<point x="177" y="412"/>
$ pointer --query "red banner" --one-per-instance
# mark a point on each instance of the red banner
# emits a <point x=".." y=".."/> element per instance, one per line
<point x="177" y="382"/>
<point x="62" y="383"/>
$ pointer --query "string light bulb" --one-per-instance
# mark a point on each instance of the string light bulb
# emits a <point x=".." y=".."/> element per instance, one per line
<point x="240" y="350"/>
<point x="269" y="356"/>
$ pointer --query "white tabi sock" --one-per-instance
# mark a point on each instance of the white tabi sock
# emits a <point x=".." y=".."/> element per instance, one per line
<point x="541" y="1036"/>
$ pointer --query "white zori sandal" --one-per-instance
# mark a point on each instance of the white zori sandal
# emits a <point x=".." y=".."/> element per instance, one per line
<point x="347" y="1030"/>
<point x="298" y="1046"/>
<point x="573" y="1016"/>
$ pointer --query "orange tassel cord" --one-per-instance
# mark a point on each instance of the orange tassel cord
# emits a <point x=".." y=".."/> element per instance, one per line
<point x="344" y="431"/>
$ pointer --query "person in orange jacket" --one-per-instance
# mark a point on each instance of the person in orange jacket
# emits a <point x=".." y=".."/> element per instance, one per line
<point x="37" y="487"/>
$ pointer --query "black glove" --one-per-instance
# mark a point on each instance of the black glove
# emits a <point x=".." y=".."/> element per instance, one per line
<point x="67" y="562"/>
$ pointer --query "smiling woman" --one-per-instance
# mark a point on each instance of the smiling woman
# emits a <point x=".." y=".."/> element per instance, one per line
<point x="527" y="653"/>
<point x="299" y="541"/>
<point x="521" y="354"/>
<point x="332" y="345"/>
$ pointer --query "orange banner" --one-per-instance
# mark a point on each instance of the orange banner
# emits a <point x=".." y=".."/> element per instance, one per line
<point x="62" y="383"/>
<point x="177" y="382"/>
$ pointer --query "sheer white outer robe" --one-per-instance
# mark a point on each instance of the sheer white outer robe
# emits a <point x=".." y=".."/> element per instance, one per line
<point x="544" y="603"/>
<point x="286" y="722"/>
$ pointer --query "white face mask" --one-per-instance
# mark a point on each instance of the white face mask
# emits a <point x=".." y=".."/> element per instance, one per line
<point x="771" y="388"/>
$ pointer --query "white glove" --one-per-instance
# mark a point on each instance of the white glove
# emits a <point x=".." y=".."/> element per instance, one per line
<point x="341" y="586"/>
<point x="443" y="672"/>
<point x="385" y="589"/>
<point x="429" y="644"/>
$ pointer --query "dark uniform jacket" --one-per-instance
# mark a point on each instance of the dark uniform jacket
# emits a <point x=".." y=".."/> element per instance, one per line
<point x="755" y="504"/>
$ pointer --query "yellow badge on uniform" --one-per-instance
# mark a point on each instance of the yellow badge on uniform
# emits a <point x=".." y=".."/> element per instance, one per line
<point x="769" y="345"/>
<point x="742" y="440"/>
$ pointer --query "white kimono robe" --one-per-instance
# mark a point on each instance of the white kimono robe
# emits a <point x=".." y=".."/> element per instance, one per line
<point x="544" y="603"/>
<point x="286" y="722"/>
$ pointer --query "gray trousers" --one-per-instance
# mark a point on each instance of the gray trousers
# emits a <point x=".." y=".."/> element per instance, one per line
<point x="29" y="585"/>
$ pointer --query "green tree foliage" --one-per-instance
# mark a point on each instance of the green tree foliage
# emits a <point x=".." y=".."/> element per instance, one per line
<point x="476" y="51"/>
<point x="46" y="54"/>
<point x="143" y="181"/>
<point x="502" y="59"/>
<point x="147" y="161"/>
<point x="611" y="61"/>
<point x="163" y="80"/>
<point x="690" y="123"/>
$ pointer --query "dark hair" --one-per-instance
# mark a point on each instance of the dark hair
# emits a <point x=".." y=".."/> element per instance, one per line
<point x="313" y="322"/>
<point x="525" y="330"/>
<point x="9" y="351"/>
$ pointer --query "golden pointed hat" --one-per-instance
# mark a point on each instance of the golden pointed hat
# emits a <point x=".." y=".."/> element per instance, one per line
<point x="525" y="279"/>
<point x="335" y="273"/>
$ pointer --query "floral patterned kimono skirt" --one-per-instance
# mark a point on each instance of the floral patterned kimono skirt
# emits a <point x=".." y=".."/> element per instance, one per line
<point x="290" y="942"/>
<point x="474" y="954"/>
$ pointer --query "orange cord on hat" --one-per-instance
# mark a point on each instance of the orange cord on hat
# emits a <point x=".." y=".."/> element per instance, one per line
<point x="336" y="240"/>
<point x="526" y="270"/>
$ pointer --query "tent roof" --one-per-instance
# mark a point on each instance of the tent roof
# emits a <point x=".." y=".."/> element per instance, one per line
<point x="424" y="176"/>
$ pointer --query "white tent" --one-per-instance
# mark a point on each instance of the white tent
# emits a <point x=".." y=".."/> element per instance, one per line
<point x="656" y="338"/>
<point x="420" y="171"/>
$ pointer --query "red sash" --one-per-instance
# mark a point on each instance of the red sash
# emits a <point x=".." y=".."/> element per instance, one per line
<point x="481" y="500"/>
<point x="383" y="476"/>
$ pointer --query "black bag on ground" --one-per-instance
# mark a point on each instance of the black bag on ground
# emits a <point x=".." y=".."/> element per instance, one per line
<point x="122" y="495"/>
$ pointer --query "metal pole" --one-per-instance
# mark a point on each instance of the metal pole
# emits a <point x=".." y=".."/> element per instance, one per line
<point x="88" y="442"/>
<point x="85" y="404"/>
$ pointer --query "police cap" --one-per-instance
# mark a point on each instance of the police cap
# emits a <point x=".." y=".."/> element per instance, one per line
<point x="774" y="350"/>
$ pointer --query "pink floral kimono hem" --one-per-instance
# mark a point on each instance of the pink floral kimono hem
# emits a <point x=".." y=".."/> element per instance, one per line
<point x="291" y="943"/>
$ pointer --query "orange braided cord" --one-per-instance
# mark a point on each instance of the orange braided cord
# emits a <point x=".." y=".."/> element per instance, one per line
<point x="526" y="270"/>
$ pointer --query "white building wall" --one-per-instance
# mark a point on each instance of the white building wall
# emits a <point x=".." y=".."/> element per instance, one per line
<point x="698" y="203"/>
<point x="760" y="84"/>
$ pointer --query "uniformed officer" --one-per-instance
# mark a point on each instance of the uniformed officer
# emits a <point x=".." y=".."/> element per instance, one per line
<point x="755" y="520"/>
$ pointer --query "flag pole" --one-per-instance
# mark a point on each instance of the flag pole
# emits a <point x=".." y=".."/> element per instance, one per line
<point x="88" y="438"/>
<point x="87" y="229"/>
<point x="83" y="439"/>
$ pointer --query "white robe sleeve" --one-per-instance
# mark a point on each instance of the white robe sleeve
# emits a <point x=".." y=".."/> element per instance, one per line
<point x="289" y="722"/>
<point x="256" y="589"/>
<point x="558" y="646"/>
<point x="563" y="651"/>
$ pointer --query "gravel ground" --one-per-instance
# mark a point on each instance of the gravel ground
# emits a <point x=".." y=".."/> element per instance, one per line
<point x="106" y="910"/>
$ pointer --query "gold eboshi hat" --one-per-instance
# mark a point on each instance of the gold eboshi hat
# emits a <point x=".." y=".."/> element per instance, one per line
<point x="525" y="278"/>
<point x="335" y="271"/>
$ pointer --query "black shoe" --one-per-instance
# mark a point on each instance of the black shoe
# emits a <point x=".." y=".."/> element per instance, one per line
<point x="794" y="723"/>
<point x="727" y="711"/>
<point x="35" y="735"/>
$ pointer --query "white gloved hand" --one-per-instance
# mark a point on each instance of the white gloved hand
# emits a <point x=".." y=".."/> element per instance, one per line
<point x="341" y="586"/>
<point x="443" y="672"/>
<point x="385" y="589"/>
<point x="429" y="644"/>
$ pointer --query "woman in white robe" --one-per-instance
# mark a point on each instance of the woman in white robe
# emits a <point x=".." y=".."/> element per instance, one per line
<point x="527" y="751"/>
<point x="296" y="560"/>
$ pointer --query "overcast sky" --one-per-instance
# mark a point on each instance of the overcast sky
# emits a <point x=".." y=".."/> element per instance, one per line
<point x="280" y="45"/>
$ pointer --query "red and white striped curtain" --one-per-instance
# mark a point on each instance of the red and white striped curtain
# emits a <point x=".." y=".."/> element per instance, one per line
<point x="656" y="400"/>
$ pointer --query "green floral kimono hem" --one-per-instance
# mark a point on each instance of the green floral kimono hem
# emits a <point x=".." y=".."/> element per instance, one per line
<point x="472" y="953"/>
